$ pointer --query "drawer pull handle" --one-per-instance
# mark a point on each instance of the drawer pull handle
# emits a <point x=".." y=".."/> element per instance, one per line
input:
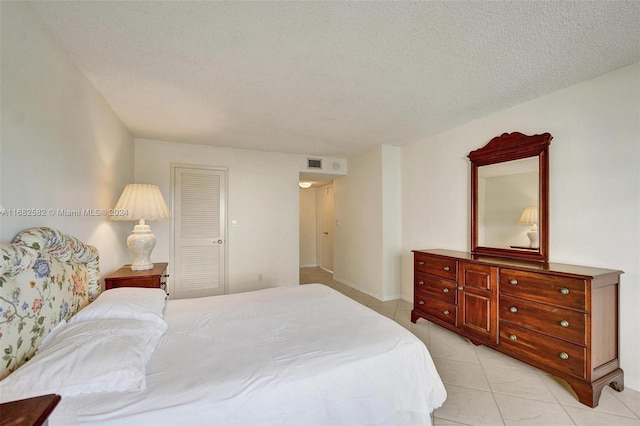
<point x="445" y="290"/>
<point x="564" y="355"/>
<point x="421" y="302"/>
<point x="446" y="312"/>
<point x="513" y="309"/>
<point x="420" y="282"/>
<point x="564" y="323"/>
<point x="421" y="262"/>
<point x="513" y="337"/>
<point x="513" y="282"/>
<point x="460" y="288"/>
<point x="564" y="290"/>
<point x="446" y="268"/>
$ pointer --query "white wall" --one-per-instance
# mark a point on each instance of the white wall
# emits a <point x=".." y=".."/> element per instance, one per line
<point x="62" y="145"/>
<point x="308" y="223"/>
<point x="594" y="186"/>
<point x="358" y="237"/>
<point x="367" y="249"/>
<point x="391" y="222"/>
<point x="263" y="197"/>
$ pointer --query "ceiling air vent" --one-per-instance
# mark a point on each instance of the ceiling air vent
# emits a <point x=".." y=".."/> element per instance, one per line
<point x="314" y="163"/>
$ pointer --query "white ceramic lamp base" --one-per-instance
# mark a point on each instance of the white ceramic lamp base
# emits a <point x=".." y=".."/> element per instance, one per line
<point x="141" y="243"/>
<point x="534" y="239"/>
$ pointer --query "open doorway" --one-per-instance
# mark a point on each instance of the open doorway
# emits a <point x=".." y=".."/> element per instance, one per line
<point x="317" y="222"/>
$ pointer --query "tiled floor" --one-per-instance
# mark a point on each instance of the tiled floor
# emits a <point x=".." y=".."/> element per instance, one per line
<point x="487" y="388"/>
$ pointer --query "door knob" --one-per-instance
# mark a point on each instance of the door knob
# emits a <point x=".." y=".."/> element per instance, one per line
<point x="325" y="233"/>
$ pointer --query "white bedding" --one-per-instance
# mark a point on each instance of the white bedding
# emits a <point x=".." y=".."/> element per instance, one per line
<point x="303" y="355"/>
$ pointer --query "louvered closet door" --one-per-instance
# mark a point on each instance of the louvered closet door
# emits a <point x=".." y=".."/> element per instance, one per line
<point x="199" y="203"/>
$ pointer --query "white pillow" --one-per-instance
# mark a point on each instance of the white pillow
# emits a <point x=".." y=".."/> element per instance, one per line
<point x="126" y="303"/>
<point x="87" y="357"/>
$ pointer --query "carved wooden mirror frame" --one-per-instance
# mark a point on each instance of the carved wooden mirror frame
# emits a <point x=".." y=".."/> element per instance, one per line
<point x="509" y="147"/>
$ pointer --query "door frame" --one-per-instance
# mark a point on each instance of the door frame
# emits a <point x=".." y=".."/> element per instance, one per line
<point x="172" y="242"/>
<point x="332" y="226"/>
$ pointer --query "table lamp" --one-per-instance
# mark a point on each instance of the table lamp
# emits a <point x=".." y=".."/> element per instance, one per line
<point x="141" y="202"/>
<point x="530" y="217"/>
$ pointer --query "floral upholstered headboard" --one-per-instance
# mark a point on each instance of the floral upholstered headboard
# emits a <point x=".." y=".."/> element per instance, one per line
<point x="45" y="277"/>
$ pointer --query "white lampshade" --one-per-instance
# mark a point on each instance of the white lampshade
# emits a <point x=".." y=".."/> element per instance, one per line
<point x="141" y="202"/>
<point x="304" y="184"/>
<point x="529" y="216"/>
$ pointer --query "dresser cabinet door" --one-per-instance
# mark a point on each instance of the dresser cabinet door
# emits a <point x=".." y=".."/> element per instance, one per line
<point x="477" y="306"/>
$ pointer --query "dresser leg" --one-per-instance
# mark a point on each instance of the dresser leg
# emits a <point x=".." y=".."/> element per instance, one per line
<point x="414" y="317"/>
<point x="618" y="383"/>
<point x="589" y="393"/>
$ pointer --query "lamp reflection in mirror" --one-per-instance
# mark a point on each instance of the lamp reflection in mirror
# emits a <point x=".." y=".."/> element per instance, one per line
<point x="530" y="217"/>
<point x="141" y="202"/>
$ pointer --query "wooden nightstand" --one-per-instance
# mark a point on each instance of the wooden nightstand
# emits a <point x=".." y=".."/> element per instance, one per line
<point x="28" y="412"/>
<point x="151" y="278"/>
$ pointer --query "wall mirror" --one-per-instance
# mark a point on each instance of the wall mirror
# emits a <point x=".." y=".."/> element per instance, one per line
<point x="510" y="197"/>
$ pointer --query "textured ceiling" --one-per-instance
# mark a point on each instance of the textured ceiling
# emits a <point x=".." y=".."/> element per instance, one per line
<point x="332" y="78"/>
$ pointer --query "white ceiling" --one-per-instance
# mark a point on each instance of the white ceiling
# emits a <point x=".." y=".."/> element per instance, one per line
<point x="332" y="78"/>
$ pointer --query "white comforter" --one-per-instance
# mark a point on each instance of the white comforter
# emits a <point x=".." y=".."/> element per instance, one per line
<point x="304" y="355"/>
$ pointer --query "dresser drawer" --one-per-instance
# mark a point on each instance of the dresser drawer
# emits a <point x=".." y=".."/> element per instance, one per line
<point x="440" y="267"/>
<point x="443" y="311"/>
<point x="554" y="290"/>
<point x="435" y="287"/>
<point x="557" y="354"/>
<point x="561" y="323"/>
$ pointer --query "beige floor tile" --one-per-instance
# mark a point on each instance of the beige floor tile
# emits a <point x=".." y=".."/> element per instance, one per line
<point x="387" y="311"/>
<point x="518" y="383"/>
<point x="461" y="373"/>
<point x="403" y="319"/>
<point x="629" y="398"/>
<point x="359" y="298"/>
<point x="452" y="349"/>
<point x="442" y="333"/>
<point x="443" y="422"/>
<point x="421" y="329"/>
<point x="358" y="293"/>
<point x="520" y="411"/>
<point x="403" y="305"/>
<point x="560" y="389"/>
<point x="469" y="406"/>
<point x="589" y="417"/>
<point x="389" y="304"/>
<point x="342" y="288"/>
<point x="607" y="404"/>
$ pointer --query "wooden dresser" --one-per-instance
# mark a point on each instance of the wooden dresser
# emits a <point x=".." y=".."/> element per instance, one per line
<point x="562" y="319"/>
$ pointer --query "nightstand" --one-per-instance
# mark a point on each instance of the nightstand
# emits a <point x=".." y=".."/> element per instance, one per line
<point x="28" y="412"/>
<point x="150" y="278"/>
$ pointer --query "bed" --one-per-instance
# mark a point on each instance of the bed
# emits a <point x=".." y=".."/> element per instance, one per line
<point x="292" y="355"/>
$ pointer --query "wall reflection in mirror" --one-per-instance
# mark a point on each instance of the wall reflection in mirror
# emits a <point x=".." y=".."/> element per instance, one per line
<point x="508" y="205"/>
